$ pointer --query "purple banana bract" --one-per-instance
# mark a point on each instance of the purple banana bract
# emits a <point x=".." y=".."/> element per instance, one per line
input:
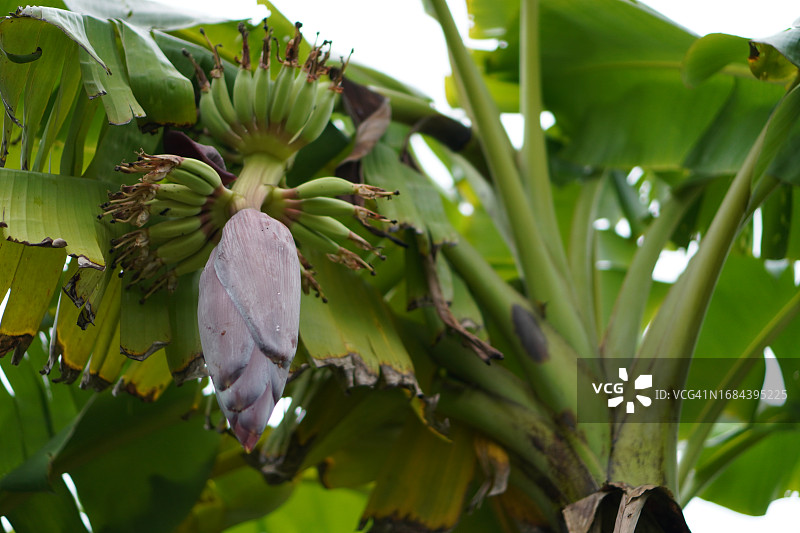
<point x="248" y="313"/>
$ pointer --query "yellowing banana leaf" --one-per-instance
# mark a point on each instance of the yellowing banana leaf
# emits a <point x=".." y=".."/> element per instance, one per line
<point x="10" y="252"/>
<point x="144" y="325"/>
<point x="106" y="362"/>
<point x="424" y="483"/>
<point x="185" y="353"/>
<point x="147" y="379"/>
<point x="35" y="281"/>
<point x="353" y="332"/>
<point x="69" y="342"/>
<point x="73" y="343"/>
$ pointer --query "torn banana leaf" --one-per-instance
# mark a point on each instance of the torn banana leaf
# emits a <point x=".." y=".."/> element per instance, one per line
<point x="147" y="379"/>
<point x="144" y="325"/>
<point x="73" y="340"/>
<point x="106" y="362"/>
<point x="185" y="353"/>
<point x="166" y="95"/>
<point x="66" y="94"/>
<point x="60" y="211"/>
<point x="424" y="483"/>
<point x="35" y="280"/>
<point x="114" y="90"/>
<point x="81" y="283"/>
<point x="354" y="332"/>
<point x="35" y="81"/>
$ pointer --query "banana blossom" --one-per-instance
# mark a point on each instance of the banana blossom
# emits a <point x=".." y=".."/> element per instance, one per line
<point x="248" y="313"/>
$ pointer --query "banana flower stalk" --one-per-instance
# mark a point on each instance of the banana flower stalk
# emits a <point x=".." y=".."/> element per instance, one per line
<point x="248" y="313"/>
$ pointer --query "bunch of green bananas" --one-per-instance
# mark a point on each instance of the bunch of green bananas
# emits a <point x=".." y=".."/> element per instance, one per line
<point x="313" y="214"/>
<point x="265" y="121"/>
<point x="275" y="117"/>
<point x="179" y="205"/>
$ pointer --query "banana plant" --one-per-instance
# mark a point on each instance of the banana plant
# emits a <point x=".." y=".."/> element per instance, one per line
<point x="199" y="217"/>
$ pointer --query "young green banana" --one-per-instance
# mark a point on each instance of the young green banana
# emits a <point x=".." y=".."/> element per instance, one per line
<point x="170" y="229"/>
<point x="320" y="115"/>
<point x="262" y="83"/>
<point x="282" y="91"/>
<point x="335" y="207"/>
<point x="243" y="85"/>
<point x="171" y="208"/>
<point x="179" y="193"/>
<point x="333" y="186"/>
<point x="219" y="90"/>
<point x="179" y="248"/>
<point x="194" y="182"/>
<point x="197" y="260"/>
<point x="308" y="237"/>
<point x="301" y="107"/>
<point x="209" y="114"/>
<point x="202" y="170"/>
<point x="332" y="228"/>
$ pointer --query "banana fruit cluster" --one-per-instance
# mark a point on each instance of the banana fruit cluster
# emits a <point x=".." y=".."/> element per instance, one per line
<point x="262" y="115"/>
<point x="178" y="206"/>
<point x="314" y="216"/>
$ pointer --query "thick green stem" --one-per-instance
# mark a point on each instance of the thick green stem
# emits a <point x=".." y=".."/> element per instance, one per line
<point x="548" y="362"/>
<point x="763" y="188"/>
<point x="550" y="372"/>
<point x="545" y="283"/>
<point x="582" y="250"/>
<point x="260" y="173"/>
<point x="533" y="157"/>
<point x="673" y="333"/>
<point x="624" y="327"/>
<point x="749" y="357"/>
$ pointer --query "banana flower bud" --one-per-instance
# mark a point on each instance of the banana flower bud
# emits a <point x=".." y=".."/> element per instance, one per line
<point x="248" y="313"/>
